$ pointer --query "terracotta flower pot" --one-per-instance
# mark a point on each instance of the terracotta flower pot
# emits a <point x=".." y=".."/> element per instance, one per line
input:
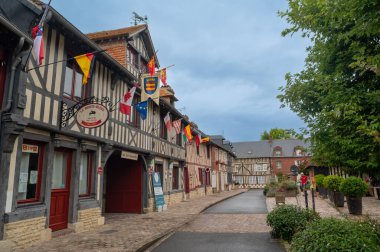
<point x="355" y="205"/>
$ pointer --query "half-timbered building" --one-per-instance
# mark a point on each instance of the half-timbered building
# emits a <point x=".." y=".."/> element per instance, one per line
<point x="14" y="47"/>
<point x="259" y="162"/>
<point x="222" y="160"/>
<point x="60" y="172"/>
<point x="198" y="169"/>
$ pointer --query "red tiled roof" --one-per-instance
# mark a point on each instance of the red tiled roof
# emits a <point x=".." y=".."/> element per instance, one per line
<point x="115" y="33"/>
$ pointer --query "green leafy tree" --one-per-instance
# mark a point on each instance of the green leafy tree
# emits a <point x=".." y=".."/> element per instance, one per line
<point x="338" y="92"/>
<point x="277" y="133"/>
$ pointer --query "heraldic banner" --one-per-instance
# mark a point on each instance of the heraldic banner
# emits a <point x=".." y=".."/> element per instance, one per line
<point x="150" y="88"/>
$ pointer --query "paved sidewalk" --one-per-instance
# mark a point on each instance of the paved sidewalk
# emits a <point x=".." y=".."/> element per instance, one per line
<point x="321" y="206"/>
<point x="131" y="232"/>
<point x="371" y="208"/>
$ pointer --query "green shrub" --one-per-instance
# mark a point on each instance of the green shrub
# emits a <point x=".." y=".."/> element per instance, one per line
<point x="266" y="189"/>
<point x="286" y="220"/>
<point x="353" y="187"/>
<point x="319" y="180"/>
<point x="280" y="177"/>
<point x="335" y="235"/>
<point x="332" y="182"/>
<point x="271" y="192"/>
<point x="289" y="185"/>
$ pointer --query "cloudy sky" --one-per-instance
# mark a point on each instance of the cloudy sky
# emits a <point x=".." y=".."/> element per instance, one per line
<point x="229" y="56"/>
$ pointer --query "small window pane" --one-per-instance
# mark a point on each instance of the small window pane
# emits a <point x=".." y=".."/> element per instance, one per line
<point x="68" y="81"/>
<point x="278" y="164"/>
<point x="78" y="85"/>
<point x="59" y="170"/>
<point x="28" y="180"/>
<point x="83" y="174"/>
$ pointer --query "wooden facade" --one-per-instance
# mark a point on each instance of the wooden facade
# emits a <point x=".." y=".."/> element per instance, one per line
<point x="57" y="173"/>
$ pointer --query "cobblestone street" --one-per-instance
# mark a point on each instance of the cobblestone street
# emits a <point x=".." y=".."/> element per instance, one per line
<point x="238" y="224"/>
<point x="130" y="232"/>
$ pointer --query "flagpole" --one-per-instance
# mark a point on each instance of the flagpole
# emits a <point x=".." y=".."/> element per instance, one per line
<point x="39" y="24"/>
<point x="167" y="67"/>
<point x="55" y="62"/>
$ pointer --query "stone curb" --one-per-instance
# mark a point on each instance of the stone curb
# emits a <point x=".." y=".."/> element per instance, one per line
<point x="171" y="231"/>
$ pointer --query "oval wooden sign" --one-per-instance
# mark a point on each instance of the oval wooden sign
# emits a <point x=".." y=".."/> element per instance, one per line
<point x="92" y="115"/>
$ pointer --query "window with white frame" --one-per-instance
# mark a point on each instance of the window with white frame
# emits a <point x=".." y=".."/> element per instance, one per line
<point x="261" y="167"/>
<point x="251" y="180"/>
<point x="261" y="179"/>
<point x="298" y="152"/>
<point x="278" y="164"/>
<point x="239" y="179"/>
<point x="298" y="162"/>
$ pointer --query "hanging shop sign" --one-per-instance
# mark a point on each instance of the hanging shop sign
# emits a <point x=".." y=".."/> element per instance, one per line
<point x="92" y="115"/>
<point x="28" y="148"/>
<point x="94" y="111"/>
<point x="129" y="155"/>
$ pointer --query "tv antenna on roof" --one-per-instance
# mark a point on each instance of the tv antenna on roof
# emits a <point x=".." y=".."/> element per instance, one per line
<point x="137" y="19"/>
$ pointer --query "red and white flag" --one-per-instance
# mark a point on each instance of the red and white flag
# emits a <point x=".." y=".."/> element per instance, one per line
<point x="38" y="39"/>
<point x="168" y="122"/>
<point x="125" y="106"/>
<point x="177" y="125"/>
<point x="38" y="44"/>
<point x="198" y="138"/>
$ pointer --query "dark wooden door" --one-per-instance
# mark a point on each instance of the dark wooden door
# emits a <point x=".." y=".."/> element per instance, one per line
<point x="3" y="68"/>
<point x="60" y="193"/>
<point x="186" y="177"/>
<point x="124" y="186"/>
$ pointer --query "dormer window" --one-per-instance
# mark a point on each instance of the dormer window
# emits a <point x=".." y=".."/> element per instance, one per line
<point x="298" y="152"/>
<point x="277" y="151"/>
<point x="132" y="57"/>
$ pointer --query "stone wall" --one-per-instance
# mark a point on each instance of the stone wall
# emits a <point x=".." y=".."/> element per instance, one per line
<point x="89" y="219"/>
<point x="209" y="190"/>
<point x="26" y="232"/>
<point x="198" y="192"/>
<point x="173" y="198"/>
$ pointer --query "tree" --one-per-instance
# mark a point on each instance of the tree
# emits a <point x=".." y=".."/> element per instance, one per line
<point x="338" y="92"/>
<point x="277" y="133"/>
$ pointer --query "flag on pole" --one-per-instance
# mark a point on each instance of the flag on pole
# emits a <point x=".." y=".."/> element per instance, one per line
<point x="38" y="39"/>
<point x="163" y="76"/>
<point x="151" y="66"/>
<point x="85" y="63"/>
<point x="198" y="139"/>
<point x="125" y="106"/>
<point x="206" y="139"/>
<point x="38" y="44"/>
<point x="142" y="108"/>
<point x="185" y="138"/>
<point x="177" y="125"/>
<point x="167" y="122"/>
<point x="188" y="133"/>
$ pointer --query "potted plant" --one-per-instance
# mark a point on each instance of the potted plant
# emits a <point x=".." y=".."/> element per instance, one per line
<point x="332" y="183"/>
<point x="280" y="196"/>
<point x="354" y="189"/>
<point x="319" y="181"/>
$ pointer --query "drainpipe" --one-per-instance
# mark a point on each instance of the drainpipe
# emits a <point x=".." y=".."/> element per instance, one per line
<point x="15" y="62"/>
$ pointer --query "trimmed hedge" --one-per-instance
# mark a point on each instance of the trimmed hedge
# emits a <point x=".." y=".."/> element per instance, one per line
<point x="332" y="182"/>
<point x="286" y="220"/>
<point x="353" y="187"/>
<point x="336" y="235"/>
<point x="319" y="180"/>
